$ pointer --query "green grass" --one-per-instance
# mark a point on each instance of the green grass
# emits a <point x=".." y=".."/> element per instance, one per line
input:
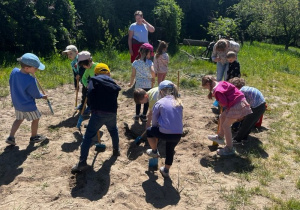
<point x="269" y="68"/>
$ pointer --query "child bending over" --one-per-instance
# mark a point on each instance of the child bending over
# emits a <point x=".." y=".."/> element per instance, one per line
<point x="166" y="124"/>
<point x="258" y="105"/>
<point x="236" y="108"/>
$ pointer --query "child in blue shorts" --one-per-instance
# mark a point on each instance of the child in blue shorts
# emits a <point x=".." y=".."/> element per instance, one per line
<point x="24" y="91"/>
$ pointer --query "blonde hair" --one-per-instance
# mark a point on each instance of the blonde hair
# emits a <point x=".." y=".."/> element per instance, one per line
<point x="208" y="79"/>
<point x="162" y="45"/>
<point x="237" y="82"/>
<point x="173" y="91"/>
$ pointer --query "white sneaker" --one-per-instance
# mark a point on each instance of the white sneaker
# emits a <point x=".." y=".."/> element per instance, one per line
<point x="151" y="154"/>
<point x="217" y="139"/>
<point x="163" y="173"/>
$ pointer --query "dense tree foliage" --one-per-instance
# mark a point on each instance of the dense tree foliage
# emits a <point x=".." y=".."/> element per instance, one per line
<point x="48" y="26"/>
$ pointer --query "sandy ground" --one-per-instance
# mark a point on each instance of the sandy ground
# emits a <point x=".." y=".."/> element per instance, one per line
<point x="38" y="177"/>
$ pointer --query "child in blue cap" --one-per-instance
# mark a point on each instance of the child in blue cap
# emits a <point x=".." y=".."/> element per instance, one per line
<point x="24" y="91"/>
<point x="166" y="124"/>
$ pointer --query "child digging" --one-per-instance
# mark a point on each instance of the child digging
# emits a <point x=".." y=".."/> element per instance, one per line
<point x="24" y="91"/>
<point x="258" y="105"/>
<point x="166" y="124"/>
<point x="85" y="60"/>
<point x="103" y="94"/>
<point x="72" y="53"/>
<point x="141" y="97"/>
<point x="143" y="73"/>
<point x="236" y="106"/>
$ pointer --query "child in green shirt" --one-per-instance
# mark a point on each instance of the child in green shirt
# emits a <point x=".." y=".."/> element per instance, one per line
<point x="85" y="60"/>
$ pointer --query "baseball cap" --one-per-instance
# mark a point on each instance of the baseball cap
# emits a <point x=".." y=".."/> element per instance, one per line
<point x="165" y="84"/>
<point x="70" y="48"/>
<point x="31" y="60"/>
<point x="84" y="55"/>
<point x="101" y="68"/>
<point x="149" y="47"/>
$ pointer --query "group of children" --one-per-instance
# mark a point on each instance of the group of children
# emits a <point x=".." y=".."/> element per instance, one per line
<point x="166" y="109"/>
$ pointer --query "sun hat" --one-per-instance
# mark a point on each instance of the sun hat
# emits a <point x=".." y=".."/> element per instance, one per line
<point x="165" y="84"/>
<point x="70" y="48"/>
<point x="101" y="68"/>
<point x="149" y="47"/>
<point x="84" y="55"/>
<point x="30" y="59"/>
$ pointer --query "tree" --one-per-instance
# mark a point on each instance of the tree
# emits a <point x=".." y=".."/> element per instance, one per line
<point x="226" y="27"/>
<point x="276" y="19"/>
<point x="169" y="16"/>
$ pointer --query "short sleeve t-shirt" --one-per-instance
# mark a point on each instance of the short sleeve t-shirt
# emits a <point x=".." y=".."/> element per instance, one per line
<point x="143" y="73"/>
<point x="152" y="96"/>
<point x="253" y="96"/>
<point x="140" y="32"/>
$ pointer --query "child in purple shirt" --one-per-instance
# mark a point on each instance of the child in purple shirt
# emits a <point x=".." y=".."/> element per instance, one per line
<point x="166" y="124"/>
<point x="236" y="108"/>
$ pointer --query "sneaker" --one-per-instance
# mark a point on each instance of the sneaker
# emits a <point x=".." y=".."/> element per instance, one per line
<point x="163" y="173"/>
<point x="143" y="118"/>
<point x="216" y="138"/>
<point x="136" y="118"/>
<point x="11" y="140"/>
<point x="151" y="154"/>
<point x="79" y="167"/>
<point x="226" y="151"/>
<point x="37" y="138"/>
<point x="116" y="152"/>
<point x="236" y="142"/>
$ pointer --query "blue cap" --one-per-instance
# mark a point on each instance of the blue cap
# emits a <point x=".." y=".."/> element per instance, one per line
<point x="31" y="60"/>
<point x="165" y="84"/>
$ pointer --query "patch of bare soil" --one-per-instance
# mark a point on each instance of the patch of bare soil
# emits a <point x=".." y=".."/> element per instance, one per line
<point x="38" y="176"/>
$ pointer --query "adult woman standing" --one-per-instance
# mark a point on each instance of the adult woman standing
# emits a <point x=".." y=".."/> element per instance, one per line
<point x="220" y="50"/>
<point x="138" y="34"/>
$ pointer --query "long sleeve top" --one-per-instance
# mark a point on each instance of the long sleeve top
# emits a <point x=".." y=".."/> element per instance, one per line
<point x="24" y="91"/>
<point x="161" y="63"/>
<point x="167" y="116"/>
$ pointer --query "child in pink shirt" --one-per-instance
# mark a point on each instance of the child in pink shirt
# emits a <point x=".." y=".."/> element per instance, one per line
<point x="236" y="108"/>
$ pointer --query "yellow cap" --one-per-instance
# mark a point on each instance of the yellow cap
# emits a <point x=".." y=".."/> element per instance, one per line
<point x="101" y="68"/>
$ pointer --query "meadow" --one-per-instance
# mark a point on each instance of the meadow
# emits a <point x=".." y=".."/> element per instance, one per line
<point x="271" y="69"/>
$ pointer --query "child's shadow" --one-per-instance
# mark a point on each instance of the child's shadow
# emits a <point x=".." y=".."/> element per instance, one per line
<point x="160" y="196"/>
<point x="91" y="184"/>
<point x="227" y="165"/>
<point x="254" y="147"/>
<point x="11" y="160"/>
<point x="72" y="146"/>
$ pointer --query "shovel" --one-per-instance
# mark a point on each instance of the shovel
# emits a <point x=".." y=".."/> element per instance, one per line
<point x="99" y="147"/>
<point x="80" y="119"/>
<point x="77" y="89"/>
<point x="49" y="104"/>
<point x="221" y="110"/>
